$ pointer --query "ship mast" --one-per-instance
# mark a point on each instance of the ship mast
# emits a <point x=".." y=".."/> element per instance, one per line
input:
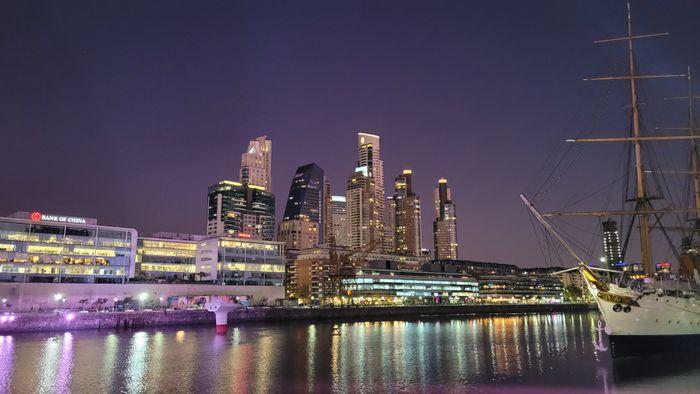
<point x="643" y="208"/>
<point x="642" y="201"/>
<point x="693" y="149"/>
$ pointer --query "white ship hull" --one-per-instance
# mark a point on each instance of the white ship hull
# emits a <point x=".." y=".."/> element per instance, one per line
<point x="656" y="324"/>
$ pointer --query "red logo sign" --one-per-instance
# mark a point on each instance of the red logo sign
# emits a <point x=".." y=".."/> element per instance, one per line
<point x="36" y="216"/>
<point x="244" y="235"/>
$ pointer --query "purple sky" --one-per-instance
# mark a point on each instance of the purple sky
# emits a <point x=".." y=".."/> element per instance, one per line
<point x="127" y="110"/>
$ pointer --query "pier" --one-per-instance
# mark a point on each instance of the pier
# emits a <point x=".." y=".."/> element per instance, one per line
<point x="142" y="319"/>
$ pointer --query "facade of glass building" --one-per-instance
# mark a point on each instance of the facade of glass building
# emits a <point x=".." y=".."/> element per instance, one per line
<point x="243" y="262"/>
<point x="168" y="257"/>
<point x="506" y="283"/>
<point x="401" y="286"/>
<point x="306" y="194"/>
<point x="239" y="209"/>
<point x="37" y="247"/>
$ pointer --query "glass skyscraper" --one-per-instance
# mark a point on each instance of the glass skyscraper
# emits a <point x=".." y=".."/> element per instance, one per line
<point x="305" y="200"/>
<point x="241" y="210"/>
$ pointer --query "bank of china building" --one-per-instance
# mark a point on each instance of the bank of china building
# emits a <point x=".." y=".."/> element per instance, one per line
<point x="40" y="247"/>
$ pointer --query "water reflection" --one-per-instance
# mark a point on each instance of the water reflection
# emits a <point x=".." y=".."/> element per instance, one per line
<point x="538" y="352"/>
<point x="6" y="362"/>
<point x="137" y="363"/>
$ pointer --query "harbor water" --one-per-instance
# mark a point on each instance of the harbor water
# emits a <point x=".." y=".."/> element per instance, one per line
<point x="511" y="353"/>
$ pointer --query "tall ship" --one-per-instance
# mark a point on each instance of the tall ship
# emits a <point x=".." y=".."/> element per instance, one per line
<point x="643" y="311"/>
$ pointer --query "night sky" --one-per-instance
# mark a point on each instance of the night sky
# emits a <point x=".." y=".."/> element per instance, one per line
<point x="127" y="110"/>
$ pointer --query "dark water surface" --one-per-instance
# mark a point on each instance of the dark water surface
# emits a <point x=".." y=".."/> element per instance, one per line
<point x="531" y="353"/>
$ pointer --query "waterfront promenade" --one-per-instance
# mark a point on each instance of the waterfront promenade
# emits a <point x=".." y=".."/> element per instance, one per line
<point x="28" y="322"/>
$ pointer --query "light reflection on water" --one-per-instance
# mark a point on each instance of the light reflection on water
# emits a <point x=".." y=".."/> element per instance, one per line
<point x="506" y="352"/>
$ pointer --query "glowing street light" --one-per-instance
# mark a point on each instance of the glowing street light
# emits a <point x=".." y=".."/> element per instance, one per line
<point x="143" y="296"/>
<point x="57" y="297"/>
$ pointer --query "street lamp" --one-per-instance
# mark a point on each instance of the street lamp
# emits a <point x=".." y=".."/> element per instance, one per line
<point x="57" y="297"/>
<point x="143" y="297"/>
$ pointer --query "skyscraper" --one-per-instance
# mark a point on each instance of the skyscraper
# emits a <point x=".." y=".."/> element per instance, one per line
<point x="327" y="217"/>
<point x="371" y="165"/>
<point x="241" y="210"/>
<point x="611" y="244"/>
<point x="302" y="224"/>
<point x="339" y="220"/>
<point x="256" y="163"/>
<point x="445" y="225"/>
<point x="306" y="194"/>
<point x="390" y="223"/>
<point x="363" y="220"/>
<point x="407" y="213"/>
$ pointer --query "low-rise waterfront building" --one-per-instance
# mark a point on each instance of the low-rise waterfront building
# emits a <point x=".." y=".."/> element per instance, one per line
<point x="167" y="257"/>
<point x="40" y="247"/>
<point x="310" y="272"/>
<point x="377" y="285"/>
<point x="239" y="261"/>
<point x="506" y="283"/>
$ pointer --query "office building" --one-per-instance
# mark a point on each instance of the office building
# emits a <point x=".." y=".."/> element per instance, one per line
<point x="506" y="283"/>
<point x="612" y="252"/>
<point x="241" y="210"/>
<point x="407" y="214"/>
<point x="303" y="222"/>
<point x="339" y="220"/>
<point x="256" y="164"/>
<point x="240" y="261"/>
<point x="382" y="286"/>
<point x="445" y="225"/>
<point x="167" y="257"/>
<point x="313" y="273"/>
<point x="41" y="247"/>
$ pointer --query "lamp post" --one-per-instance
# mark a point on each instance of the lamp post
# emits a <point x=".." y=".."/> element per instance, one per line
<point x="58" y="297"/>
<point x="142" y="298"/>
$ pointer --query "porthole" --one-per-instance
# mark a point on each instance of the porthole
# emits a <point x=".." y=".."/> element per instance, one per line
<point x="617" y="307"/>
<point x="627" y="309"/>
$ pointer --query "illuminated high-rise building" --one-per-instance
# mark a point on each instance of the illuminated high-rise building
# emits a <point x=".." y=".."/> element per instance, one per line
<point x="241" y="210"/>
<point x="390" y="223"/>
<point x="302" y="225"/>
<point x="407" y="214"/>
<point x="371" y="165"/>
<point x="339" y="220"/>
<point x="364" y="226"/>
<point x="327" y="216"/>
<point x="611" y="244"/>
<point x="256" y="163"/>
<point x="445" y="225"/>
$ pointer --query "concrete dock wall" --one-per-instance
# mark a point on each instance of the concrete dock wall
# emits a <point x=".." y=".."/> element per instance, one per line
<point x="25" y="296"/>
<point x="114" y="320"/>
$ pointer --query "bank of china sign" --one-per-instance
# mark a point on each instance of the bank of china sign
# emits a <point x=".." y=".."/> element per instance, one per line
<point x="37" y="216"/>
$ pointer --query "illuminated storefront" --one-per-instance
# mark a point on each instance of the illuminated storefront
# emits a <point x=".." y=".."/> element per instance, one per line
<point x="239" y="261"/>
<point x="39" y="247"/>
<point x="379" y="286"/>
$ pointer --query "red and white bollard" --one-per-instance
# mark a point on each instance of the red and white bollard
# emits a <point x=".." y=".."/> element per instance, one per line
<point x="221" y="310"/>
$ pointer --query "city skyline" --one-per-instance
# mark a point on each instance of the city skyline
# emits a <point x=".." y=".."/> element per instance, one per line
<point x="124" y="128"/>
